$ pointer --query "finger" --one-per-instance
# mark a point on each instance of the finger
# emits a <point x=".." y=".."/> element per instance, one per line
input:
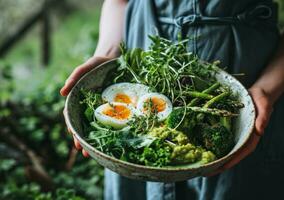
<point x="244" y="152"/>
<point x="263" y="109"/>
<point x="79" y="72"/>
<point x="263" y="114"/>
<point x="85" y="153"/>
<point x="77" y="144"/>
<point x="260" y="124"/>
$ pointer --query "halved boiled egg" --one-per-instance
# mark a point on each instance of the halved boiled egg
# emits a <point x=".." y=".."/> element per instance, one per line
<point x="124" y="93"/>
<point x="155" y="102"/>
<point x="115" y="114"/>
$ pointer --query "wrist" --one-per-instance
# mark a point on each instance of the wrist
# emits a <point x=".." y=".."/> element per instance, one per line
<point x="258" y="92"/>
<point x="267" y="88"/>
<point x="111" y="52"/>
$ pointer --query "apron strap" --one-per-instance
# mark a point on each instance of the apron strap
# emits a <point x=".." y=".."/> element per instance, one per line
<point x="259" y="12"/>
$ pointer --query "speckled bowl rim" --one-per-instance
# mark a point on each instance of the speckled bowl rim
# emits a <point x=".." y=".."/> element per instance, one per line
<point x="166" y="168"/>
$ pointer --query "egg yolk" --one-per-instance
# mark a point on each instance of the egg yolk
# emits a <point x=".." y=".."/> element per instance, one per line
<point x="157" y="104"/>
<point x="117" y="111"/>
<point x="123" y="98"/>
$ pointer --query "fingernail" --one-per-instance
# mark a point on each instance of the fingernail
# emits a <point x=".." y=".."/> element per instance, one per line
<point x="85" y="153"/>
<point x="62" y="91"/>
<point x="77" y="144"/>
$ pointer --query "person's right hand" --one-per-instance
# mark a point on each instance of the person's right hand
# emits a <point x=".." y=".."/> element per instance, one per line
<point x="77" y="73"/>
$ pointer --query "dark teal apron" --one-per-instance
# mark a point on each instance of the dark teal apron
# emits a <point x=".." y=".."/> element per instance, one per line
<point x="243" y="35"/>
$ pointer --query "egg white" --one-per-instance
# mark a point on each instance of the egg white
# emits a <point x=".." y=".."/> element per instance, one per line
<point x="162" y="115"/>
<point x="132" y="90"/>
<point x="112" y="121"/>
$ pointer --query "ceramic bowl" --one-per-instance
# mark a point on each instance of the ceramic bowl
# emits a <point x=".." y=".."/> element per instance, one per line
<point x="244" y="125"/>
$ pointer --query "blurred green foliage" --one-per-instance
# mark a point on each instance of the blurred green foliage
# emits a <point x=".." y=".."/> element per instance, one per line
<point x="31" y="121"/>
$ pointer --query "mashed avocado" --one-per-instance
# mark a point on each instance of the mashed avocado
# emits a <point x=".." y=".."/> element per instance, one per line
<point x="182" y="151"/>
<point x="170" y="134"/>
<point x="190" y="153"/>
<point x="186" y="154"/>
<point x="207" y="156"/>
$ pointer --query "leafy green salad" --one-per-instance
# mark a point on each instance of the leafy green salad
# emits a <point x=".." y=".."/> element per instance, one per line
<point x="161" y="107"/>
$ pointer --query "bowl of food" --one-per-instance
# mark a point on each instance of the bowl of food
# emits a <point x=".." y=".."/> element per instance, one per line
<point x="160" y="115"/>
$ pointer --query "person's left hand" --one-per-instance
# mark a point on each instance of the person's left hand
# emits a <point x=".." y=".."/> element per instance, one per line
<point x="264" y="109"/>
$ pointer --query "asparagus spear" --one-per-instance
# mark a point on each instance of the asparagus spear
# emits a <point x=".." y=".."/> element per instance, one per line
<point x="212" y="111"/>
<point x="206" y="91"/>
<point x="199" y="94"/>
<point x="216" y="99"/>
<point x="226" y="121"/>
